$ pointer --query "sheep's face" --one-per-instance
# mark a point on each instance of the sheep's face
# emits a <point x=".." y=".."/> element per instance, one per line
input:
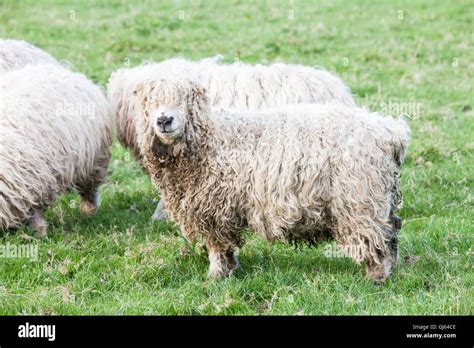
<point x="164" y="102"/>
<point x="173" y="110"/>
<point x="168" y="122"/>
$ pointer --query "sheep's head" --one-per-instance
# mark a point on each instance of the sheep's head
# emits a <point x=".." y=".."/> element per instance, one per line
<point x="174" y="110"/>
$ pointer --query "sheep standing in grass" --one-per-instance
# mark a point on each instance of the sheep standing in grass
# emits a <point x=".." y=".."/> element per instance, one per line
<point x="238" y="85"/>
<point x="297" y="173"/>
<point x="55" y="131"/>
<point x="15" y="54"/>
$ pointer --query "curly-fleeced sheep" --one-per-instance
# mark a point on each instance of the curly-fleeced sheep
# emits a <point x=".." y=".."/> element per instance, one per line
<point x="56" y="130"/>
<point x="16" y="54"/>
<point x="302" y="172"/>
<point x="238" y="85"/>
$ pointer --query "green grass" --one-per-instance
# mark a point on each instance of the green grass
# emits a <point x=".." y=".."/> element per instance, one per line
<point x="120" y="262"/>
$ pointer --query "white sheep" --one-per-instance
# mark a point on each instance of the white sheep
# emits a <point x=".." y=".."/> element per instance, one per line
<point x="55" y="131"/>
<point x="295" y="173"/>
<point x="16" y="54"/>
<point x="241" y="86"/>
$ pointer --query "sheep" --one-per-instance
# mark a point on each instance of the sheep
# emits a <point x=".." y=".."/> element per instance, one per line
<point x="16" y="54"/>
<point x="56" y="130"/>
<point x="238" y="85"/>
<point x="296" y="173"/>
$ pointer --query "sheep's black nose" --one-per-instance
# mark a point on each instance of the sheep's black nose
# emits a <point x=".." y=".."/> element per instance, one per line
<point x="164" y="121"/>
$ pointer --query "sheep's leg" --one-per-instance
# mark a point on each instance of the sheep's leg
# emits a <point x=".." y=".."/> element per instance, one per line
<point x="364" y="232"/>
<point x="221" y="263"/>
<point x="89" y="198"/>
<point x="396" y="224"/>
<point x="380" y="260"/>
<point x="395" y="221"/>
<point x="232" y="261"/>
<point x="38" y="223"/>
<point x="360" y="245"/>
<point x="380" y="271"/>
<point x="160" y="211"/>
<point x="89" y="188"/>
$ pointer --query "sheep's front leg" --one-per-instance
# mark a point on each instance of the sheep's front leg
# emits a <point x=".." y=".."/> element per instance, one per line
<point x="221" y="263"/>
<point x="38" y="223"/>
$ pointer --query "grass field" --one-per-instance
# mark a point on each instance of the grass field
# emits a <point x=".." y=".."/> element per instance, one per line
<point x="397" y="56"/>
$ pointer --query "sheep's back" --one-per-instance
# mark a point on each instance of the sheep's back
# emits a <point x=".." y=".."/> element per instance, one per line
<point x="240" y="86"/>
<point x="16" y="54"/>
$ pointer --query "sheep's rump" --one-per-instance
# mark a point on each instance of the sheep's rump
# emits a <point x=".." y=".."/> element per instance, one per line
<point x="241" y="86"/>
<point x="55" y="131"/>
<point x="16" y="54"/>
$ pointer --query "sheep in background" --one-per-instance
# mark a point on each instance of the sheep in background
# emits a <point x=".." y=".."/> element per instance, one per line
<point x="296" y="173"/>
<point x="238" y="85"/>
<point x="16" y="54"/>
<point x="56" y="130"/>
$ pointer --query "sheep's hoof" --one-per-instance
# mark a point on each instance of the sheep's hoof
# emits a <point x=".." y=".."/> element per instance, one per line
<point x="217" y="274"/>
<point x="89" y="204"/>
<point x="88" y="208"/>
<point x="218" y="266"/>
<point x="232" y="261"/>
<point x="38" y="224"/>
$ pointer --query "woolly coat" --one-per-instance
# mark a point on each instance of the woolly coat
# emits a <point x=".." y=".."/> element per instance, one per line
<point x="55" y="131"/>
<point x="15" y="54"/>
<point x="302" y="172"/>
<point x="241" y="86"/>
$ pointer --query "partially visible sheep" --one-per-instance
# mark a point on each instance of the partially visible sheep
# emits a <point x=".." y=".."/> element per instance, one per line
<point x="238" y="85"/>
<point x="55" y="131"/>
<point x="16" y="54"/>
<point x="301" y="172"/>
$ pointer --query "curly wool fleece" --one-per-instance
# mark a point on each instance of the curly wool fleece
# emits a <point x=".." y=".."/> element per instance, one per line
<point x="238" y="85"/>
<point x="301" y="172"/>
<point x="56" y="130"/>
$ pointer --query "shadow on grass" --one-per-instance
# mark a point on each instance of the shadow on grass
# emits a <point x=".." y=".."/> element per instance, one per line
<point x="309" y="261"/>
<point x="130" y="212"/>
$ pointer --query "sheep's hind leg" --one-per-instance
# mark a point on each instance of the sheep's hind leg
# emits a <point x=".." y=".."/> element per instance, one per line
<point x="396" y="224"/>
<point x="232" y="261"/>
<point x="38" y="223"/>
<point x="367" y="245"/>
<point x="380" y="268"/>
<point x="89" y="199"/>
<point x="89" y="188"/>
<point x="221" y="264"/>
<point x="160" y="211"/>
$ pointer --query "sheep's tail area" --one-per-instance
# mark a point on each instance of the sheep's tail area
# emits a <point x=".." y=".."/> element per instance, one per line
<point x="401" y="137"/>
